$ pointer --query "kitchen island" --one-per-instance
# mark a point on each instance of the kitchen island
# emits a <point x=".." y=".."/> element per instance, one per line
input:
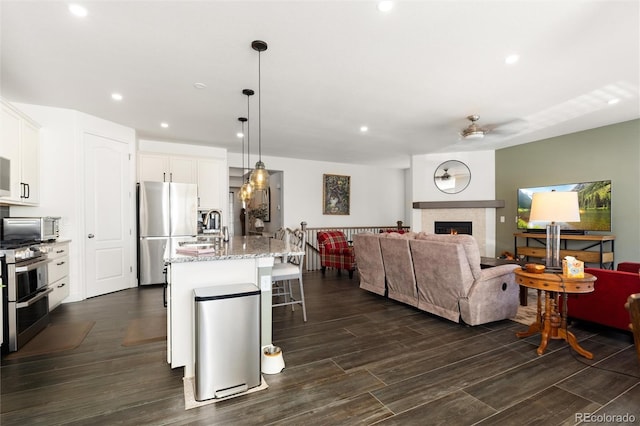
<point x="212" y="262"/>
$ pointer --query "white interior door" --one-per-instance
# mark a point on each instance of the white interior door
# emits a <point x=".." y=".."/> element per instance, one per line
<point x="107" y="218"/>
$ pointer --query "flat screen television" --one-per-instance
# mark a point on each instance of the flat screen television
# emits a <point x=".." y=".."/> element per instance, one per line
<point x="594" y="199"/>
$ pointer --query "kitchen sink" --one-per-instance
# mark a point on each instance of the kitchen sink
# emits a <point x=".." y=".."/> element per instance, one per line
<point x="200" y="245"/>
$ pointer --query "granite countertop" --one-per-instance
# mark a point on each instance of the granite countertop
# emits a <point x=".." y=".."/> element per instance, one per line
<point x="213" y="248"/>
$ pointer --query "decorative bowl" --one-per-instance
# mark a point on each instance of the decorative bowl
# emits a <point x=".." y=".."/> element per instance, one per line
<point x="534" y="268"/>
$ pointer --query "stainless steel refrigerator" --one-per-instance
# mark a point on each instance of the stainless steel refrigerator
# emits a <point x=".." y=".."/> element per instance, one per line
<point x="167" y="214"/>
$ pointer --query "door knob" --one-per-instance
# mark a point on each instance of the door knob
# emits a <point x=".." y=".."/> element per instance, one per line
<point x="90" y="235"/>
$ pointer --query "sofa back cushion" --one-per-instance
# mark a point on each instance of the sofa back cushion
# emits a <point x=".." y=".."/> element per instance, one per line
<point x="443" y="275"/>
<point x="632" y="267"/>
<point x="366" y="247"/>
<point x="398" y="265"/>
<point x="468" y="242"/>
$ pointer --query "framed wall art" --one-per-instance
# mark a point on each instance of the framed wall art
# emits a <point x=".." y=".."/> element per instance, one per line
<point x="336" y="194"/>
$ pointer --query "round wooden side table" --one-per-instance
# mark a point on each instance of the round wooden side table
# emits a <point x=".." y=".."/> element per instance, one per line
<point x="553" y="324"/>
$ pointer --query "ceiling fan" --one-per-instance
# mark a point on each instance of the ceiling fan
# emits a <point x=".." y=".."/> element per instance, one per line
<point x="475" y="131"/>
<point x="445" y="175"/>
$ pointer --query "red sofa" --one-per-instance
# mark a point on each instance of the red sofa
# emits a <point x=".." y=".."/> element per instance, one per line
<point x="605" y="305"/>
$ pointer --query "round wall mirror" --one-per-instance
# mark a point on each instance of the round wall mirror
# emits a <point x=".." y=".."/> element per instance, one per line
<point x="452" y="176"/>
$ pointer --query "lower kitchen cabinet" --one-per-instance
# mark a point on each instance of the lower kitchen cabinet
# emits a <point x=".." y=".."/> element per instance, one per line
<point x="58" y="273"/>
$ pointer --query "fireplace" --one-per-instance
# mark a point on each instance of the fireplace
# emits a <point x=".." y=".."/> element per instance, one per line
<point x="453" y="227"/>
<point x="482" y="220"/>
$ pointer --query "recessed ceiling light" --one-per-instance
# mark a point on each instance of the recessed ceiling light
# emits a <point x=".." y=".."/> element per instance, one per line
<point x="78" y="10"/>
<point x="511" y="59"/>
<point x="385" y="6"/>
<point x="164" y="125"/>
<point x="613" y="101"/>
<point x="364" y="128"/>
<point x="199" y="85"/>
<point x="116" y="96"/>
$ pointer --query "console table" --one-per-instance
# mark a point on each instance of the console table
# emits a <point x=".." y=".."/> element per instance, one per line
<point x="603" y="256"/>
<point x="553" y="325"/>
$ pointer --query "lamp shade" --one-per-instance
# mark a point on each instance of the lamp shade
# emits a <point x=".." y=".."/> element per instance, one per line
<point x="260" y="177"/>
<point x="246" y="191"/>
<point x="555" y="206"/>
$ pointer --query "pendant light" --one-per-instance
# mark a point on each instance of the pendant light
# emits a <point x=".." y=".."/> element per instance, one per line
<point x="259" y="176"/>
<point x="246" y="191"/>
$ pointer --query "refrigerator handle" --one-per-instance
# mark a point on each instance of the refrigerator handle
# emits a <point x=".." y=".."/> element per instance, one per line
<point x="164" y="290"/>
<point x="164" y="176"/>
<point x="170" y="176"/>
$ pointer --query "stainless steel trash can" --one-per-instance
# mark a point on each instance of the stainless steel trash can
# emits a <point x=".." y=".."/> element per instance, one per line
<point x="227" y="340"/>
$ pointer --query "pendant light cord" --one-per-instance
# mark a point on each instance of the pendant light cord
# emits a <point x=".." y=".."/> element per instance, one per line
<point x="248" y="136"/>
<point x="259" y="109"/>
<point x="243" y="135"/>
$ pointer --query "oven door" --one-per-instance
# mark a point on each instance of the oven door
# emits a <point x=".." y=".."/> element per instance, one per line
<point x="30" y="278"/>
<point x="28" y="318"/>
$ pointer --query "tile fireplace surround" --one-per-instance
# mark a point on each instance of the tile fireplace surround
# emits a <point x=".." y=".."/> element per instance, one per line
<point x="481" y="214"/>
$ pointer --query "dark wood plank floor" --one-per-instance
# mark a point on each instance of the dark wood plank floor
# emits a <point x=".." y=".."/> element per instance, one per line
<point x="360" y="359"/>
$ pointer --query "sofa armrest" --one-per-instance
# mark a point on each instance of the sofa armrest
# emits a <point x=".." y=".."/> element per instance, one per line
<point x="492" y="297"/>
<point x="496" y="271"/>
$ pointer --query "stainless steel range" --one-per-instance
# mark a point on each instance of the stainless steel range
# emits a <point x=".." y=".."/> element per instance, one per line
<point x="25" y="292"/>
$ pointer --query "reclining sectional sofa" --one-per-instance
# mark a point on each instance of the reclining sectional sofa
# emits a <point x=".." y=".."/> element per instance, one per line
<point x="439" y="274"/>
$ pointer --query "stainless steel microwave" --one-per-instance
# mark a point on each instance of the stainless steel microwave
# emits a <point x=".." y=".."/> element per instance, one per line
<point x="30" y="228"/>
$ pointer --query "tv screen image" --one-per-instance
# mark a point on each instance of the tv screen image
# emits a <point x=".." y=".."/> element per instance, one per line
<point x="594" y="199"/>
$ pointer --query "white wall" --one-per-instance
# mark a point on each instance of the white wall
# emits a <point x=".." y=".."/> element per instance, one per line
<point x="148" y="145"/>
<point x="377" y="194"/>
<point x="62" y="178"/>
<point x="481" y="187"/>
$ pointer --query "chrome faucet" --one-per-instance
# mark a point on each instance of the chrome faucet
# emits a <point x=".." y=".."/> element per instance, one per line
<point x="207" y="218"/>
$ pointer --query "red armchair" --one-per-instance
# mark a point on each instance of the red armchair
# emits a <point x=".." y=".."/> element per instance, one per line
<point x="335" y="252"/>
<point x="605" y="305"/>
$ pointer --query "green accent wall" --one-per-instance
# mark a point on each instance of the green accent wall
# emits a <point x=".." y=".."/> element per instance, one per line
<point x="610" y="152"/>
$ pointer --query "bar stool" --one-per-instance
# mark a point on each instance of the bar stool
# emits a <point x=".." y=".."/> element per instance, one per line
<point x="290" y="269"/>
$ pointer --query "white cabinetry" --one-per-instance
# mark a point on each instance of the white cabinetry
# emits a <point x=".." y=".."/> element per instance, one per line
<point x="163" y="168"/>
<point x="210" y="174"/>
<point x="212" y="184"/>
<point x="20" y="143"/>
<point x="58" y="273"/>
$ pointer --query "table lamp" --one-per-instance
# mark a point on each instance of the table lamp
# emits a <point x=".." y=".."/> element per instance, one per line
<point x="554" y="207"/>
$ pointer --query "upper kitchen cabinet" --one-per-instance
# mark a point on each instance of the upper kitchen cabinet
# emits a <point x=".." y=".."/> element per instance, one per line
<point x="20" y="143"/>
<point x="164" y="168"/>
<point x="213" y="185"/>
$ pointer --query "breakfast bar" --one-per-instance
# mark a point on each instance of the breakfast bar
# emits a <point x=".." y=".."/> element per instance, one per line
<point x="210" y="261"/>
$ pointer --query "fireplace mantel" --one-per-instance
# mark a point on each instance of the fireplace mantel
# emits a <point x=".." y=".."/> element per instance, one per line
<point x="471" y="204"/>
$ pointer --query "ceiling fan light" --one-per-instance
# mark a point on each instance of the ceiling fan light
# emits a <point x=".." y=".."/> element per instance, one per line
<point x="478" y="134"/>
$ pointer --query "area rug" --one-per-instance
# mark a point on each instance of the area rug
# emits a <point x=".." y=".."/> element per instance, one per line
<point x="54" y="338"/>
<point x="146" y="330"/>
<point x="527" y="314"/>
<point x="190" y="399"/>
